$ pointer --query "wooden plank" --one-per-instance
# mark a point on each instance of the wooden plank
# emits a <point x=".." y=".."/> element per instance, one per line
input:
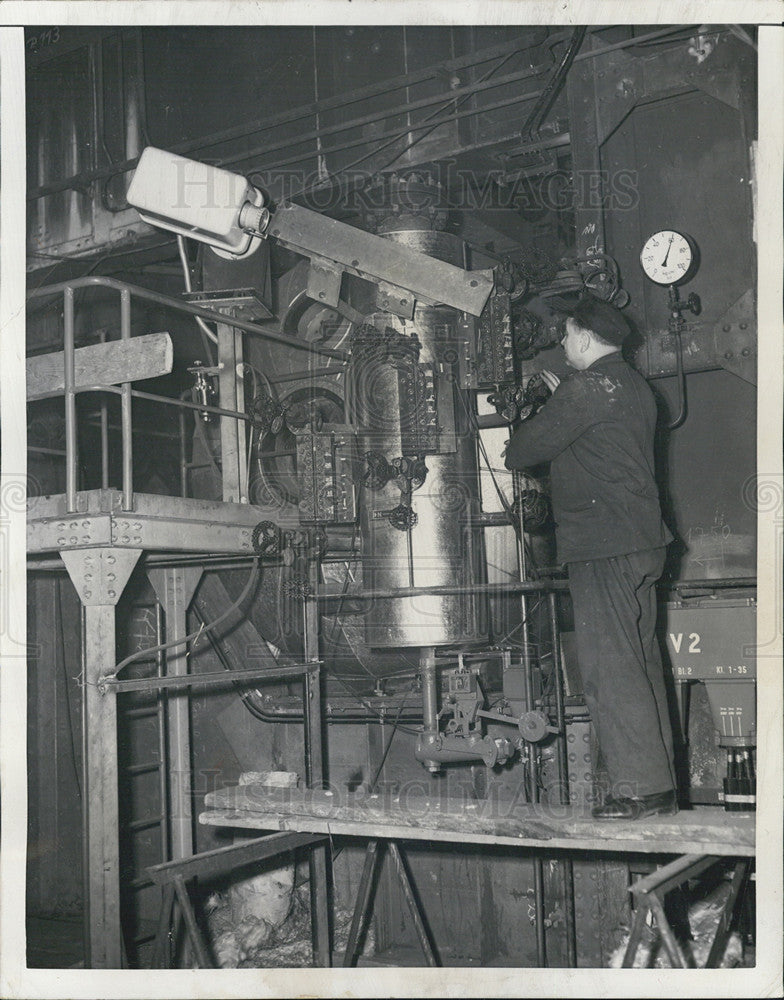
<point x="111" y="363"/>
<point x="700" y="831"/>
<point x="674" y="843"/>
<point x="226" y="859"/>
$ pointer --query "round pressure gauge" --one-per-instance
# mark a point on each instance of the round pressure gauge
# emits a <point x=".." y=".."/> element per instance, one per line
<point x="669" y="257"/>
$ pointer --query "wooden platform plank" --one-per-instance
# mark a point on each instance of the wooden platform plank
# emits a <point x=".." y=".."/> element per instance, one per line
<point x="703" y="830"/>
<point x="116" y="361"/>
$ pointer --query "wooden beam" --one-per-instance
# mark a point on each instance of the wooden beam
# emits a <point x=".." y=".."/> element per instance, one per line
<point x="111" y="363"/>
<point x="413" y="817"/>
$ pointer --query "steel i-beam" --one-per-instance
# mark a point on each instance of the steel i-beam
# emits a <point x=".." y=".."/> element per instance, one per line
<point x="100" y="576"/>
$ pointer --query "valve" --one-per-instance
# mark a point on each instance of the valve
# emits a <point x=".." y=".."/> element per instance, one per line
<point x="535" y="509"/>
<point x="377" y="471"/>
<point x="535" y="726"/>
<point x="409" y="473"/>
<point x="267" y="414"/>
<point x="203" y="390"/>
<point x="267" y="539"/>
<point x="402" y="517"/>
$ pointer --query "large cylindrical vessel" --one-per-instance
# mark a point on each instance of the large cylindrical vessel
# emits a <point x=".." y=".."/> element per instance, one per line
<point x="408" y="405"/>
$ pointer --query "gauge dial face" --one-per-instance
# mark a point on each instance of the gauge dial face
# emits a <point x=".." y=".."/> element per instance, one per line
<point x="668" y="257"/>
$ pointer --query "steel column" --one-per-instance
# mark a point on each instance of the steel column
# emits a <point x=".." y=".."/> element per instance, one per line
<point x="100" y="576"/>
<point x="174" y="588"/>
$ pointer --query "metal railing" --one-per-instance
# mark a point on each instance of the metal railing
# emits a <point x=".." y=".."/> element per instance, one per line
<point x="124" y="390"/>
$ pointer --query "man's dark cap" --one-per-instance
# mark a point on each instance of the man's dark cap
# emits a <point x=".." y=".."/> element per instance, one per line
<point x="596" y="315"/>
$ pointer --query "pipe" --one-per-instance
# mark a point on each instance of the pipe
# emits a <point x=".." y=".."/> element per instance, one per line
<point x="163" y="766"/>
<point x="303" y="111"/>
<point x="554" y="84"/>
<point x="188" y="288"/>
<point x="388" y="139"/>
<point x="563" y="782"/>
<point x="680" y="375"/>
<point x="167" y="302"/>
<point x="178" y="681"/>
<point x="69" y="378"/>
<point x="494" y="589"/>
<point x="469" y="90"/>
<point x="183" y="455"/>
<point x="427" y="664"/>
<point x="169" y="401"/>
<point x="104" y="434"/>
<point x="126" y="411"/>
<point x="303" y="375"/>
<point x="533" y="769"/>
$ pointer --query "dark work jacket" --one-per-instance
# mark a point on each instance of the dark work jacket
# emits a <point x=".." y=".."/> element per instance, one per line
<point x="597" y="432"/>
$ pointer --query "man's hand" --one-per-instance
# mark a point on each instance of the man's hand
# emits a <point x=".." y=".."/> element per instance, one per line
<point x="551" y="381"/>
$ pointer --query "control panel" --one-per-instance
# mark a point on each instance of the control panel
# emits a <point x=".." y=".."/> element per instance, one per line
<point x="324" y="471"/>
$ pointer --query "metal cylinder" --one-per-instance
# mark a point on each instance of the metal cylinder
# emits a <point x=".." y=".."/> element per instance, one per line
<point x="415" y="406"/>
<point x="429" y="737"/>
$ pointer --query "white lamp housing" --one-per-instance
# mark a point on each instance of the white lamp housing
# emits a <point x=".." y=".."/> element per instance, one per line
<point x="195" y="200"/>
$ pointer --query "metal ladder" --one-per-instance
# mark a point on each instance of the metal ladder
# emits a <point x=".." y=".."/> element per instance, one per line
<point x="144" y="838"/>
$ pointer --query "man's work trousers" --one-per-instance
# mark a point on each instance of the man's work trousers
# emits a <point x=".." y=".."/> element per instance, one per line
<point x="620" y="664"/>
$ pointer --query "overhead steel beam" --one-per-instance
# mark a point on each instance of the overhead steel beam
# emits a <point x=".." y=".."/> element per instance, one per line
<point x="371" y="257"/>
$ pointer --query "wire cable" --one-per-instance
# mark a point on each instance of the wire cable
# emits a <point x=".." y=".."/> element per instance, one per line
<point x="389" y="743"/>
<point x="202" y="630"/>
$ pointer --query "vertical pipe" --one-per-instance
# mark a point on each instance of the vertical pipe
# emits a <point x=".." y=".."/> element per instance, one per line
<point x="162" y="754"/>
<point x="427" y="665"/>
<point x="183" y="456"/>
<point x="563" y="762"/>
<point x="104" y="434"/>
<point x="69" y="372"/>
<point x="533" y="769"/>
<point x="319" y="865"/>
<point x="125" y="419"/>
<point x="563" y="780"/>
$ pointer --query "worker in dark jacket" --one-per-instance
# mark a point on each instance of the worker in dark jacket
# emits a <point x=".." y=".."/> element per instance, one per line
<point x="597" y="431"/>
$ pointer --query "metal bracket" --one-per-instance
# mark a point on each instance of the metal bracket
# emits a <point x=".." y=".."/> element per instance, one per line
<point x="735" y="337"/>
<point x="100" y="575"/>
<point x="324" y="281"/>
<point x="376" y="259"/>
<point x="624" y="81"/>
<point x="392" y="298"/>
<point x="175" y="585"/>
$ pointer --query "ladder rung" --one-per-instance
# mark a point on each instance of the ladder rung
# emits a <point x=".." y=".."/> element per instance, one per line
<point x="140" y="883"/>
<point x="140" y="713"/>
<point x="134" y="769"/>
<point x="145" y="824"/>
